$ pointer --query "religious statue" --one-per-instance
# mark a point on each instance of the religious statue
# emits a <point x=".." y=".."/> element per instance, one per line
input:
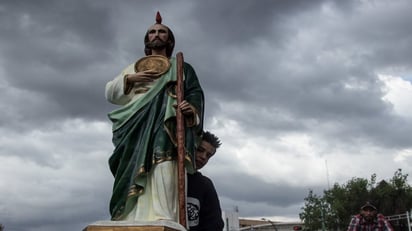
<point x="143" y="162"/>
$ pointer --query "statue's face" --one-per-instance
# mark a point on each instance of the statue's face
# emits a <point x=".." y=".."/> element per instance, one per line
<point x="158" y="36"/>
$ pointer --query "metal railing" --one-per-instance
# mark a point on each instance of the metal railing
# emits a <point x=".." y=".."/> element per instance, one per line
<point x="401" y="216"/>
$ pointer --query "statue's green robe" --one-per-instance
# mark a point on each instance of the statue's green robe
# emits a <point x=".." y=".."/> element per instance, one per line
<point x="144" y="134"/>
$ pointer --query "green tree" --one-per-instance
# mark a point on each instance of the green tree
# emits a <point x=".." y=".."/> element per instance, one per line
<point x="341" y="202"/>
<point x="312" y="214"/>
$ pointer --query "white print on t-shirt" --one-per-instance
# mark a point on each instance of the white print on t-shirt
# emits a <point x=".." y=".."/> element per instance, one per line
<point x="193" y="209"/>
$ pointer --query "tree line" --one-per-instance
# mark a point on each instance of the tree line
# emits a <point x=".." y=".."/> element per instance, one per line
<point x="334" y="209"/>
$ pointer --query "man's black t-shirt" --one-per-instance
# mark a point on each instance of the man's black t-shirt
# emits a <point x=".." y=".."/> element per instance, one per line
<point x="203" y="206"/>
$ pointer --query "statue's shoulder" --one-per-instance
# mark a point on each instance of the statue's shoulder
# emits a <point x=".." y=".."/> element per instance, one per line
<point x="188" y="68"/>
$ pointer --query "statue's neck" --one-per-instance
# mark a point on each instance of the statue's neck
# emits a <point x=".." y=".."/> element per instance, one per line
<point x="159" y="52"/>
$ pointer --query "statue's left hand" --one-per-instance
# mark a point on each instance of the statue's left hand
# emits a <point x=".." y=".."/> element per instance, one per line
<point x="189" y="112"/>
<point x="186" y="108"/>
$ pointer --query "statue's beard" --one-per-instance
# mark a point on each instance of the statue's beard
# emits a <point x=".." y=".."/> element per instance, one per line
<point x="157" y="44"/>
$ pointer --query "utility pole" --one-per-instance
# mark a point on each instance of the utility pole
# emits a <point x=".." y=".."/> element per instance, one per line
<point x="327" y="173"/>
<point x="323" y="219"/>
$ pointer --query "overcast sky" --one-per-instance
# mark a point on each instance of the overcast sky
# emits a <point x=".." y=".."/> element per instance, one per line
<point x="303" y="94"/>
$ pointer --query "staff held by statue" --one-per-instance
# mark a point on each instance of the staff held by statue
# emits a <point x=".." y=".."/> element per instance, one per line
<point x="180" y="136"/>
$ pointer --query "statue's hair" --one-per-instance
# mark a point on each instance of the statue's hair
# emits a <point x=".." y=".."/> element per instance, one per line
<point x="212" y="139"/>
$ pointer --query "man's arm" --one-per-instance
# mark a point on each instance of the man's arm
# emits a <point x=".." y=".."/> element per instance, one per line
<point x="354" y="224"/>
<point x="388" y="226"/>
<point x="385" y="223"/>
<point x="211" y="213"/>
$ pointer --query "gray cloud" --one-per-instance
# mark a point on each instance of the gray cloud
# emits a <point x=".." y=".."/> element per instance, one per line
<point x="270" y="70"/>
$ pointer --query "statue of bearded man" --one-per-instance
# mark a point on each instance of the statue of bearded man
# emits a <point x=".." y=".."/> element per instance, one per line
<point x="144" y="160"/>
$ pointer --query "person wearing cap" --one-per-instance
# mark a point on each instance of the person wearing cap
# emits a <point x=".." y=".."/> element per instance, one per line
<point x="203" y="206"/>
<point x="369" y="219"/>
<point x="144" y="160"/>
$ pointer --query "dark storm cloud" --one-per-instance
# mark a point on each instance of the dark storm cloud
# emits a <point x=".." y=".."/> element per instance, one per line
<point x="246" y="20"/>
<point x="388" y="34"/>
<point x="245" y="23"/>
<point x="326" y="81"/>
<point x="58" y="34"/>
<point x="57" y="50"/>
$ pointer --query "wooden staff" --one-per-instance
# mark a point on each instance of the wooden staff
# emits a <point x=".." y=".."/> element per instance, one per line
<point x="180" y="136"/>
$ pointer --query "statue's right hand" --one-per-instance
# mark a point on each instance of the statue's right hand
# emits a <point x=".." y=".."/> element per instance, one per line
<point x="142" y="76"/>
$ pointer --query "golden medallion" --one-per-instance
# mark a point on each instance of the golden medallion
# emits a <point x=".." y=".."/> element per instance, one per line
<point x="157" y="63"/>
